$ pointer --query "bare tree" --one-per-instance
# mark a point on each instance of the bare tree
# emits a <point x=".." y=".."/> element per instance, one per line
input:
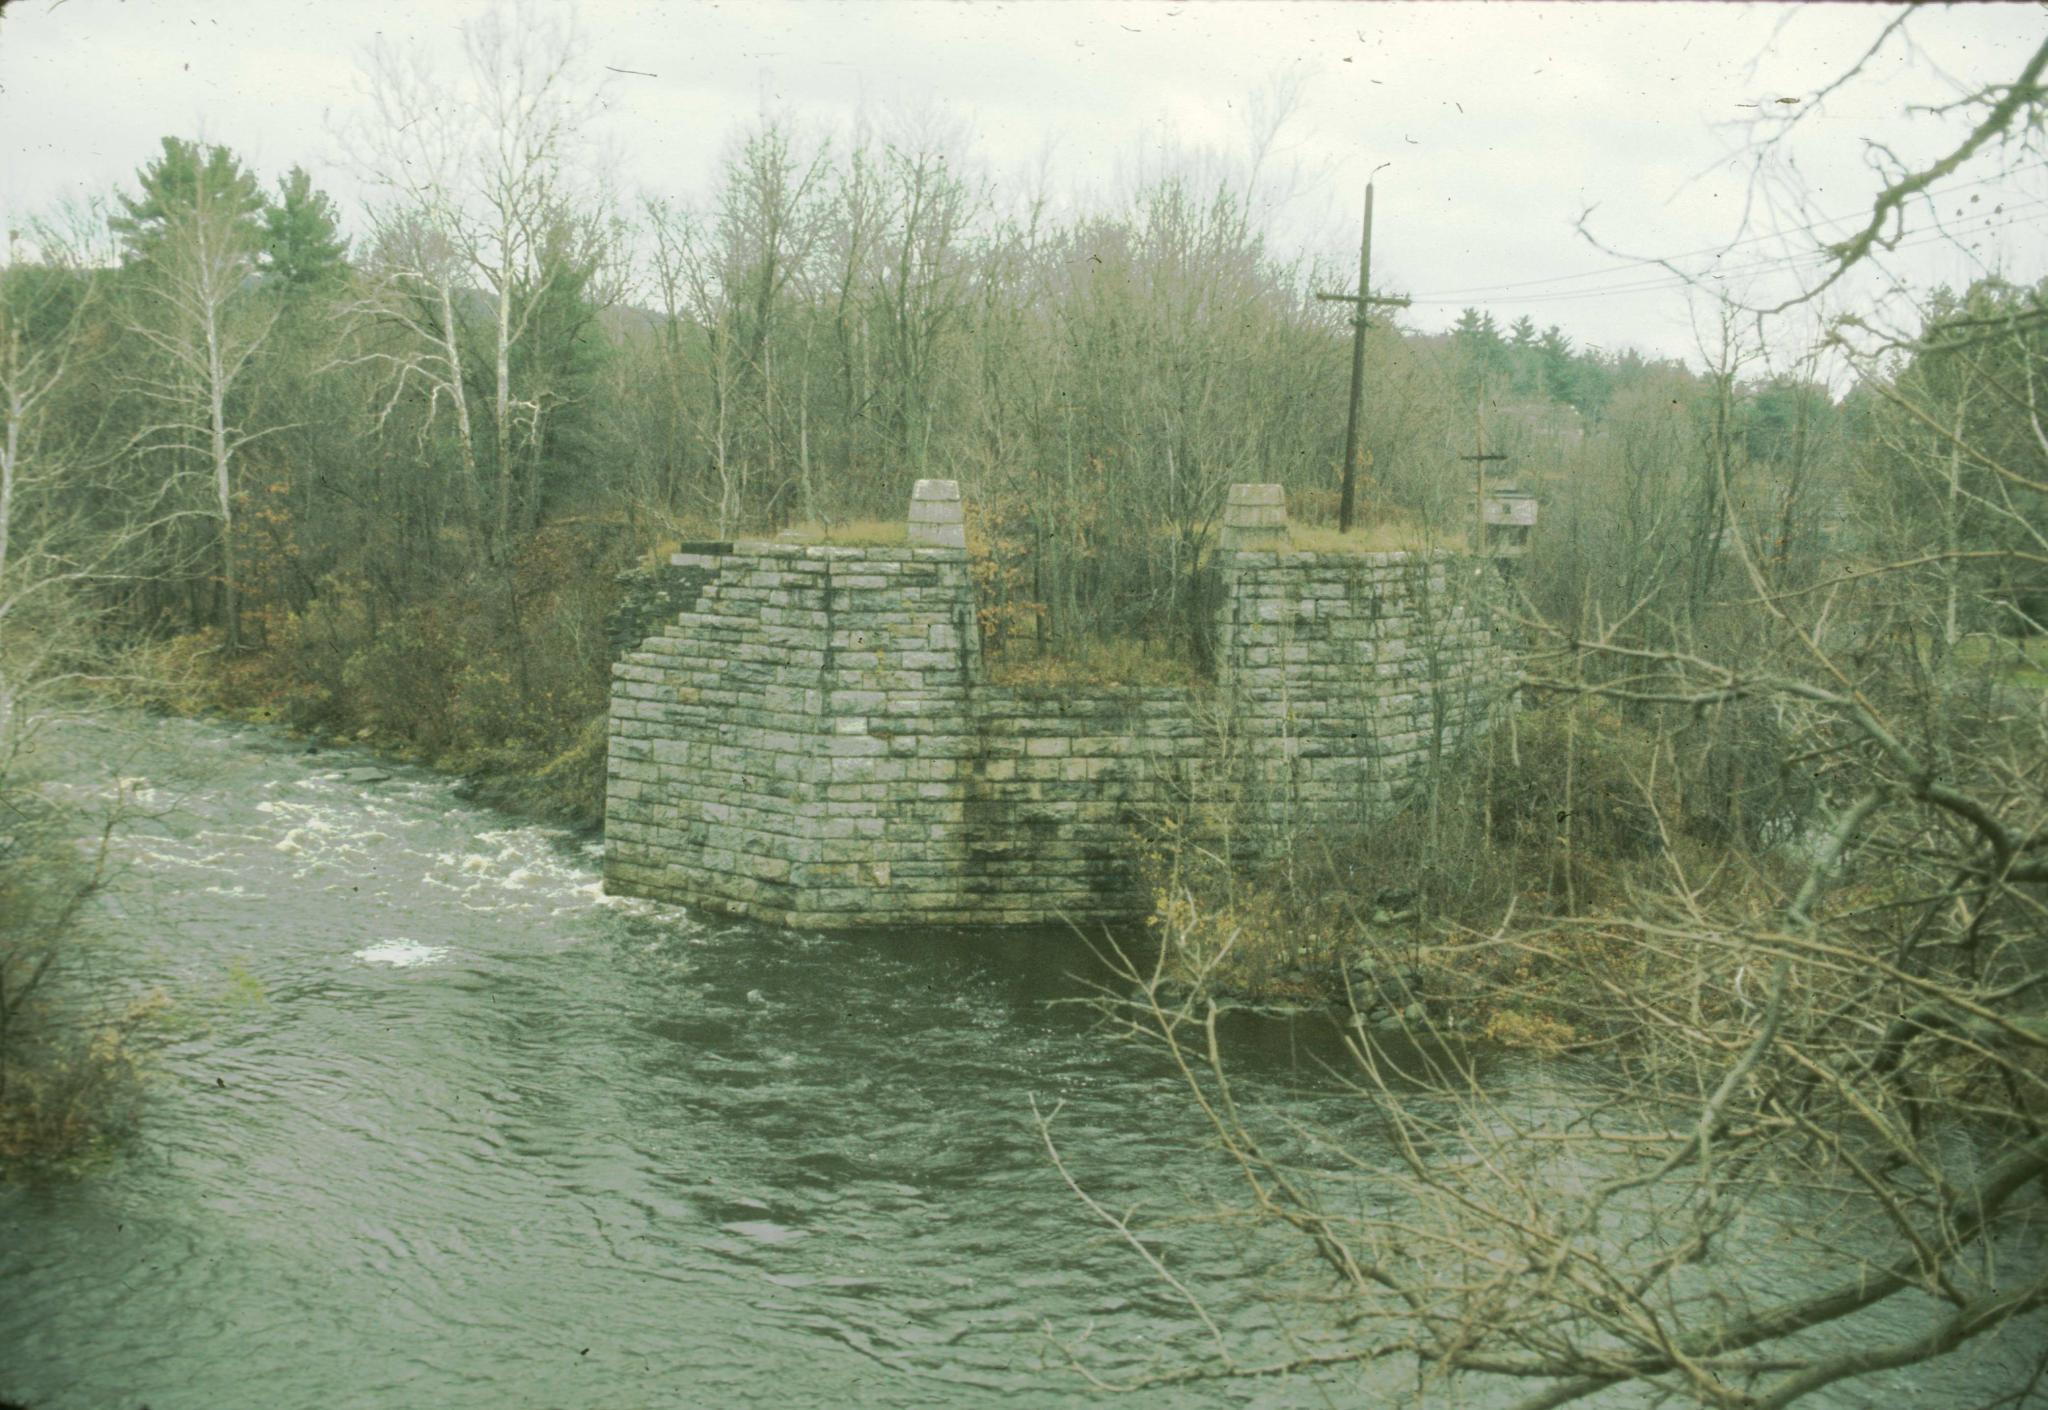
<point x="37" y="459"/>
<point x="697" y="310"/>
<point x="484" y="175"/>
<point x="406" y="314"/>
<point x="917" y="284"/>
<point x="766" y="230"/>
<point x="1802" y="1144"/>
<point x="206" y="323"/>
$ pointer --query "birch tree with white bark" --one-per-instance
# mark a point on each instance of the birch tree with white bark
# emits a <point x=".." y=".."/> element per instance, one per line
<point x="481" y="171"/>
<point x="194" y="242"/>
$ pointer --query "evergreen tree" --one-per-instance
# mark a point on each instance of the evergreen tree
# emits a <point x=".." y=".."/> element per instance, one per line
<point x="192" y="239"/>
<point x="1594" y="376"/>
<point x="1784" y="417"/>
<point x="1525" y="373"/>
<point x="184" y="179"/>
<point x="559" y="442"/>
<point x="1554" y="356"/>
<point x="1482" y="356"/>
<point x="302" y="246"/>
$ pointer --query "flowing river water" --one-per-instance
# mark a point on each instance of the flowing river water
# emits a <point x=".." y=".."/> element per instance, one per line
<point x="442" y="1125"/>
<point x="446" y="1126"/>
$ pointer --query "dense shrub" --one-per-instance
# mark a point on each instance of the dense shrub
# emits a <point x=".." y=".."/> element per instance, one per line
<point x="70" y="1076"/>
<point x="1560" y="811"/>
<point x="504" y="675"/>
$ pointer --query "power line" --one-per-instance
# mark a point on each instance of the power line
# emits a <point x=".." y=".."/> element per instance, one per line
<point x="1814" y="258"/>
<point x="1990" y="221"/>
<point x="1441" y="295"/>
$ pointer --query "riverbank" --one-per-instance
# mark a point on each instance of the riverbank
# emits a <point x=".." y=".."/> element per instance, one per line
<point x="1502" y="898"/>
<point x="563" y="789"/>
<point x="502" y="676"/>
<point x="71" y="1039"/>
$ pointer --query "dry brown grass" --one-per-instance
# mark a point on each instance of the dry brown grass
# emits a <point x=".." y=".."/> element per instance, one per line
<point x="1386" y="536"/>
<point x="849" y="533"/>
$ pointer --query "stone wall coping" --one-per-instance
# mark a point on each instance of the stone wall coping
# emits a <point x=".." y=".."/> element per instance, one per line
<point x="841" y="552"/>
<point x="1313" y="557"/>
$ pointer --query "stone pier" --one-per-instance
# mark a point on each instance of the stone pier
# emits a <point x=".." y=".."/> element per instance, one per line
<point x="809" y="737"/>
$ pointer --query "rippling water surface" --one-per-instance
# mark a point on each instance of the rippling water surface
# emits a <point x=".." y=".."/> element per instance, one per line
<point x="450" y="1127"/>
<point x="445" y="1126"/>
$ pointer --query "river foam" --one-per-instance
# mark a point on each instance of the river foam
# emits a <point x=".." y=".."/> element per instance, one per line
<point x="401" y="953"/>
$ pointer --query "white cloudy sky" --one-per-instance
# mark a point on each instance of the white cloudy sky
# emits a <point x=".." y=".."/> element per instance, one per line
<point x="1498" y="124"/>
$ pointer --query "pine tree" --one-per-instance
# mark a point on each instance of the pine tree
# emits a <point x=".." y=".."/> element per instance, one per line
<point x="1554" y="356"/>
<point x="302" y="246"/>
<point x="1482" y="356"/>
<point x="1525" y="371"/>
<point x="183" y="179"/>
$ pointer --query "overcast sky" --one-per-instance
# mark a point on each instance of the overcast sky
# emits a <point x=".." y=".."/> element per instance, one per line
<point x="1498" y="125"/>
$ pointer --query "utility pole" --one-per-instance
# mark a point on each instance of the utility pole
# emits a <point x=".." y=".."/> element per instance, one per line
<point x="1479" y="458"/>
<point x="1361" y="302"/>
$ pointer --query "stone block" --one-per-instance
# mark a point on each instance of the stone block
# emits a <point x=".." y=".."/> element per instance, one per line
<point x="725" y="770"/>
<point x="953" y="536"/>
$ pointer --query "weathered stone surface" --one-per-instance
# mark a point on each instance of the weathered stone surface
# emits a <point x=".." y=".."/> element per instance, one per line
<point x="1254" y="518"/>
<point x="847" y="764"/>
<point x="937" y="517"/>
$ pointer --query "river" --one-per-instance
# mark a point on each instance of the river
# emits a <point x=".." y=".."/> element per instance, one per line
<point x="440" y="1124"/>
<point x="444" y="1125"/>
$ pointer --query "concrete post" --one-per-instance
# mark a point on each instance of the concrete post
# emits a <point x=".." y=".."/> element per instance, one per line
<point x="937" y="517"/>
<point x="1255" y="517"/>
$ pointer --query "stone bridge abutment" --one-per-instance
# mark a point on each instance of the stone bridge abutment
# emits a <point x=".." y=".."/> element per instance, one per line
<point x="806" y="734"/>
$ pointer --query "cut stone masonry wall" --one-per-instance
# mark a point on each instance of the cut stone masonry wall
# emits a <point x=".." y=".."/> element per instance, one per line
<point x="810" y="738"/>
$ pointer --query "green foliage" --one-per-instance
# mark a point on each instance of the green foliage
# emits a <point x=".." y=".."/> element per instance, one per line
<point x="303" y="248"/>
<point x="1955" y="461"/>
<point x="1483" y="359"/>
<point x="186" y="179"/>
<point x="1553" y="355"/>
<point x="1785" y="419"/>
<point x="504" y="676"/>
<point x="558" y="362"/>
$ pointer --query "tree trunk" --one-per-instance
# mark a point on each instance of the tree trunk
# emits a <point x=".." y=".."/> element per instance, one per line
<point x="10" y="449"/>
<point x="459" y="394"/>
<point x="504" y="402"/>
<point x="223" y="487"/>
